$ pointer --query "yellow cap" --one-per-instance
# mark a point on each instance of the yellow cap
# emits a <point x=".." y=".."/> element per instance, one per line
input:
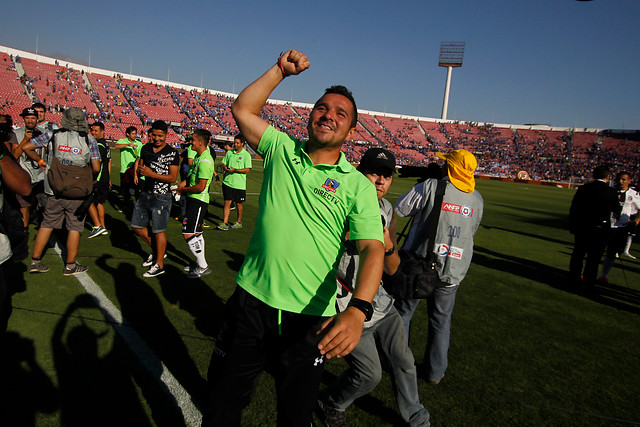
<point x="460" y="167"/>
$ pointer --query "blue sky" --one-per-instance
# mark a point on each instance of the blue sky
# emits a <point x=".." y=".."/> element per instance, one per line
<point x="556" y="62"/>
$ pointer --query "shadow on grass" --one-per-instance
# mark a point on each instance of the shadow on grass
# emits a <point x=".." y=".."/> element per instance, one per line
<point x="619" y="297"/>
<point x="90" y="384"/>
<point x="27" y="387"/>
<point x="522" y="233"/>
<point x="236" y="260"/>
<point x="121" y="237"/>
<point x="144" y="312"/>
<point x="196" y="298"/>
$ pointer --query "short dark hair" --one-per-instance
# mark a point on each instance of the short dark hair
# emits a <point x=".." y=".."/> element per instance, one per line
<point x="131" y="129"/>
<point x="159" y="125"/>
<point x="39" y="105"/>
<point x="98" y="124"/>
<point x="239" y="136"/>
<point x="342" y="90"/>
<point x="621" y="174"/>
<point x="203" y="134"/>
<point x="601" y="172"/>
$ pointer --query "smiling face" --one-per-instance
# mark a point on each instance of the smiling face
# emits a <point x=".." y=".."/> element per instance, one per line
<point x="158" y="137"/>
<point x="330" y="121"/>
<point x="97" y="132"/>
<point x="131" y="136"/>
<point x="30" y="122"/>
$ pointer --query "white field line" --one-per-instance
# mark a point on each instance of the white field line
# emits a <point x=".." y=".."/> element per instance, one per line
<point x="149" y="360"/>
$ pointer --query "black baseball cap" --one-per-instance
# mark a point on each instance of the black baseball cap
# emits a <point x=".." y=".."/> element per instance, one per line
<point x="378" y="160"/>
<point x="29" y="112"/>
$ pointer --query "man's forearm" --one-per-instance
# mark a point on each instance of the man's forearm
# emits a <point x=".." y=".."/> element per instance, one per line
<point x="253" y="97"/>
<point x="370" y="270"/>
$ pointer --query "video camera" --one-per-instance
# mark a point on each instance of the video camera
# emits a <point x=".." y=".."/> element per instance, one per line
<point x="83" y="209"/>
<point x="432" y="170"/>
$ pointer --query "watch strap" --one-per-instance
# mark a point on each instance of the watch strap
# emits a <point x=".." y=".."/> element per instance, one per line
<point x="362" y="305"/>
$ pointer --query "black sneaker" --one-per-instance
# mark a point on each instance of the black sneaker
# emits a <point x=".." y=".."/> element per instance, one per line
<point x="76" y="269"/>
<point x="332" y="417"/>
<point x="154" y="271"/>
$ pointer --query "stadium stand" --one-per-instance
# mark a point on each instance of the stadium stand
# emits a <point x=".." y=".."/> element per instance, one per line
<point x="543" y="152"/>
<point x="13" y="96"/>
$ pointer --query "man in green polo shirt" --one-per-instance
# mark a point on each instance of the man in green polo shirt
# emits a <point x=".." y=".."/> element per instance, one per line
<point x="236" y="164"/>
<point x="196" y="189"/>
<point x="129" y="151"/>
<point x="282" y="314"/>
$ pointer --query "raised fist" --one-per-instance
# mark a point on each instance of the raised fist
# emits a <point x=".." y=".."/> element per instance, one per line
<point x="293" y="62"/>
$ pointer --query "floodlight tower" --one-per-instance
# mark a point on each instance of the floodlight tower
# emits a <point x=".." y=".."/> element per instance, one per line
<point x="451" y="54"/>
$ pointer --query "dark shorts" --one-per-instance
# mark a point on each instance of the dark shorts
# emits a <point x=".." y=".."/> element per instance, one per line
<point x="58" y="210"/>
<point x="194" y="218"/>
<point x="233" y="194"/>
<point x="100" y="192"/>
<point x="154" y="207"/>
<point x="126" y="179"/>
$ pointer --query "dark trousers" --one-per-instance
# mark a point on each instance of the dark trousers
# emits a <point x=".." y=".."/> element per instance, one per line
<point x="261" y="337"/>
<point x="591" y="243"/>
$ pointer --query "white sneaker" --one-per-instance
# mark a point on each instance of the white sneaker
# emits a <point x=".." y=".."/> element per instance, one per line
<point x="628" y="255"/>
<point x="151" y="259"/>
<point x="154" y="271"/>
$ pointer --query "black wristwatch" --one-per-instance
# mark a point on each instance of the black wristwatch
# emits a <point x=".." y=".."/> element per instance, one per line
<point x="390" y="251"/>
<point x="363" y="306"/>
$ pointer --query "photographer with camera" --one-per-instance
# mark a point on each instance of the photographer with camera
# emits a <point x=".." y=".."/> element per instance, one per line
<point x="73" y="148"/>
<point x="459" y="207"/>
<point x="23" y="135"/>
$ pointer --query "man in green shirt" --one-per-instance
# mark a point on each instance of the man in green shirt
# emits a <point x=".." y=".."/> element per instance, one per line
<point x="196" y="190"/>
<point x="236" y="164"/>
<point x="282" y="314"/>
<point x="129" y="151"/>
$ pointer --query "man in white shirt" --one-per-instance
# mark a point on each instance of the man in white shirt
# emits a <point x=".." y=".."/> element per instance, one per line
<point x="622" y="225"/>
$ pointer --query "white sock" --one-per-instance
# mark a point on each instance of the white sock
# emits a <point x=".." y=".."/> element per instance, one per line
<point x="626" y="248"/>
<point x="196" y="245"/>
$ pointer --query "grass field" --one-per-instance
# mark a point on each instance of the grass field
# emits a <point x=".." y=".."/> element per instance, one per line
<point x="525" y="350"/>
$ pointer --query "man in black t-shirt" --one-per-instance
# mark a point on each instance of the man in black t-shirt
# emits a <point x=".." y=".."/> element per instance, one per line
<point x="102" y="185"/>
<point x="159" y="164"/>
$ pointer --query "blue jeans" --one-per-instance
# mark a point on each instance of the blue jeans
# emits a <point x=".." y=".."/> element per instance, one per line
<point x="154" y="207"/>
<point x="439" y="307"/>
<point x="365" y="371"/>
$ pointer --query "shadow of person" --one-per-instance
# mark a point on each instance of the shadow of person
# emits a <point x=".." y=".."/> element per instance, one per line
<point x="236" y="259"/>
<point x="196" y="298"/>
<point x="143" y="311"/>
<point x="27" y="388"/>
<point x="94" y="389"/>
<point x="615" y="296"/>
<point x="122" y="237"/>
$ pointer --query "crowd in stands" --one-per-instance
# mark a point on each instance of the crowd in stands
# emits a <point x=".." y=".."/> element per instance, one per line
<point x="120" y="102"/>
